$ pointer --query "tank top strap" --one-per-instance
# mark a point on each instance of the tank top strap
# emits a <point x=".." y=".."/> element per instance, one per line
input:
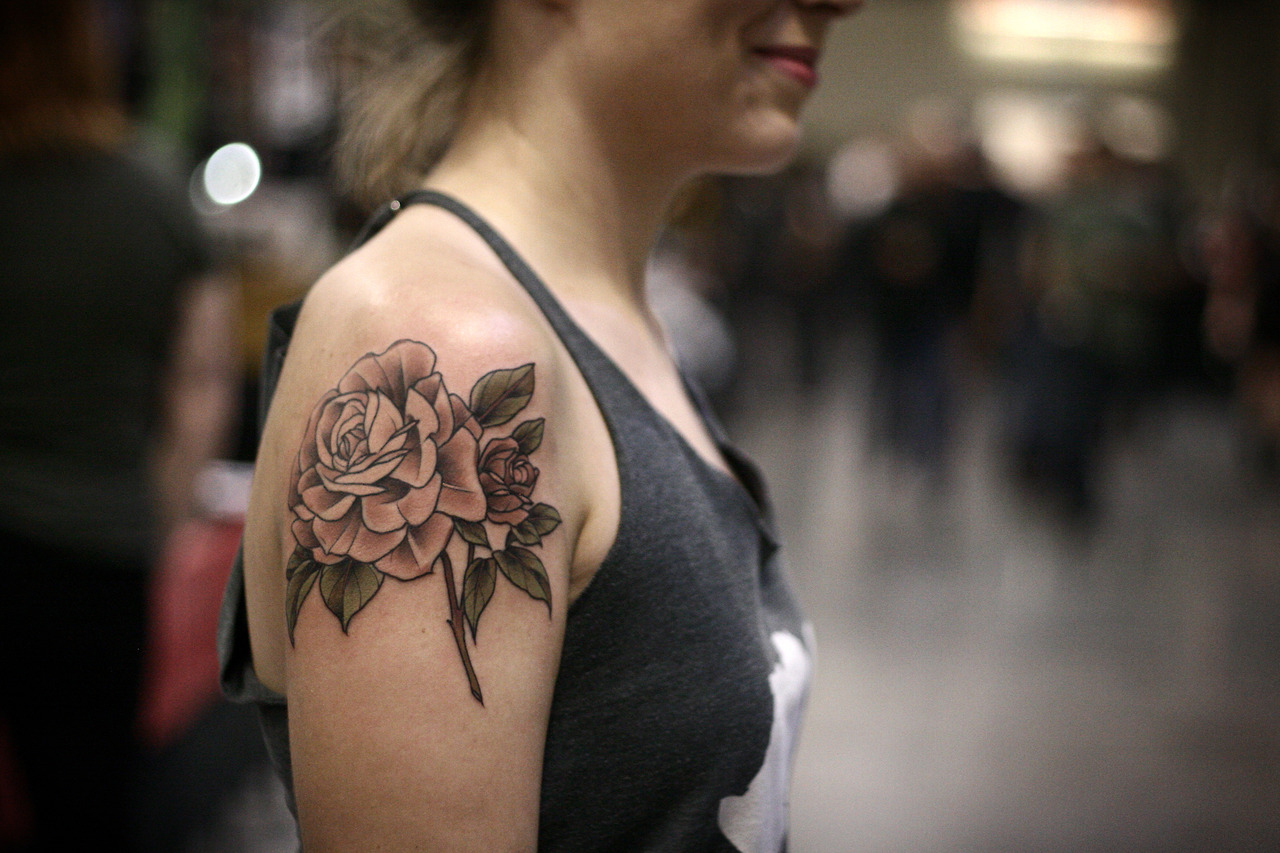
<point x="621" y="404"/>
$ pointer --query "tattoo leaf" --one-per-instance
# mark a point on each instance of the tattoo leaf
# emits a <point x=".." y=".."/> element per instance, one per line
<point x="542" y="519"/>
<point x="499" y="395"/>
<point x="477" y="588"/>
<point x="301" y="575"/>
<point x="523" y="534"/>
<point x="525" y="570"/>
<point x="529" y="435"/>
<point x="298" y="558"/>
<point x="472" y="532"/>
<point x="347" y="587"/>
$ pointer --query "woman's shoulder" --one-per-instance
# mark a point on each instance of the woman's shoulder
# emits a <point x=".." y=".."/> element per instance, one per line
<point x="425" y="276"/>
<point x="416" y="363"/>
<point x="421" y="298"/>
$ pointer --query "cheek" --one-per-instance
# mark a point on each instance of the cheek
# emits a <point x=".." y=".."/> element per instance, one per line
<point x="676" y="45"/>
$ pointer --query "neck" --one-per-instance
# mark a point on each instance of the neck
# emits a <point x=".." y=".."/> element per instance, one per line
<point x="584" y="216"/>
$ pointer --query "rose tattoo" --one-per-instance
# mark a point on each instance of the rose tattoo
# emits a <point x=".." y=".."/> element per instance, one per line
<point x="508" y="478"/>
<point x="389" y="469"/>
<point x="387" y="461"/>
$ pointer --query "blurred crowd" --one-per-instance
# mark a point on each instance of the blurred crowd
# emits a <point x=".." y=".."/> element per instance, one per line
<point x="1078" y="307"/>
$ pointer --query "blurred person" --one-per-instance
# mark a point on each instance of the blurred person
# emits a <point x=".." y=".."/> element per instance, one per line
<point x="745" y="263"/>
<point x="776" y="239"/>
<point x="504" y="586"/>
<point x="678" y="280"/>
<point x="991" y="222"/>
<point x="805" y="250"/>
<point x="114" y="388"/>
<point x="913" y="269"/>
<point x="1241" y="249"/>
<point x="1100" y="256"/>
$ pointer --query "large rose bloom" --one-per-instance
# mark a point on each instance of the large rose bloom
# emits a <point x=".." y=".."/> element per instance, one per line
<point x="388" y="460"/>
<point x="508" y="478"/>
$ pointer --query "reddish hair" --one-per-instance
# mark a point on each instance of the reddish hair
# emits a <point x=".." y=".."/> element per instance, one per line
<point x="57" y="81"/>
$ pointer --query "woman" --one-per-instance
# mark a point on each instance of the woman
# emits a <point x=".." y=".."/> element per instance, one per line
<point x="511" y="587"/>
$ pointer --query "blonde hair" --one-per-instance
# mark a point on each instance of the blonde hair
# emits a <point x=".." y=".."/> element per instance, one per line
<point x="57" y="83"/>
<point x="403" y="70"/>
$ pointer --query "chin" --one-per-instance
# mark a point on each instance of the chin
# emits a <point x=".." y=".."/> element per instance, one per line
<point x="767" y="149"/>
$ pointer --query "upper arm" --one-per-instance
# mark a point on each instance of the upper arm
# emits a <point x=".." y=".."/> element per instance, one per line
<point x="425" y="570"/>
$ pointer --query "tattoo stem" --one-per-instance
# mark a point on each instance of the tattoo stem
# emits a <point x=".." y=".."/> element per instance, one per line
<point x="459" y="626"/>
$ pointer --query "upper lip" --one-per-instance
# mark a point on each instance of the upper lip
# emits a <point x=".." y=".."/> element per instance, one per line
<point x="798" y="52"/>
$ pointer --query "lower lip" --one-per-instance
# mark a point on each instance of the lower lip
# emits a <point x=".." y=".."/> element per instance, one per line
<point x="801" y="72"/>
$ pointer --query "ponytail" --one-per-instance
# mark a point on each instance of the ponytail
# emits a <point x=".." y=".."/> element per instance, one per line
<point x="404" y="67"/>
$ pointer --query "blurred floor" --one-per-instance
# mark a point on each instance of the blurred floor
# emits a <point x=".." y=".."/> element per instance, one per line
<point x="989" y="680"/>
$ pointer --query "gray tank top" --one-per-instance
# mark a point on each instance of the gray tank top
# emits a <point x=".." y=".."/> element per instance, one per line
<point x="686" y="661"/>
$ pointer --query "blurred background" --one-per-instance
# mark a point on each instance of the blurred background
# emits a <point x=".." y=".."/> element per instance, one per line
<point x="1006" y="341"/>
